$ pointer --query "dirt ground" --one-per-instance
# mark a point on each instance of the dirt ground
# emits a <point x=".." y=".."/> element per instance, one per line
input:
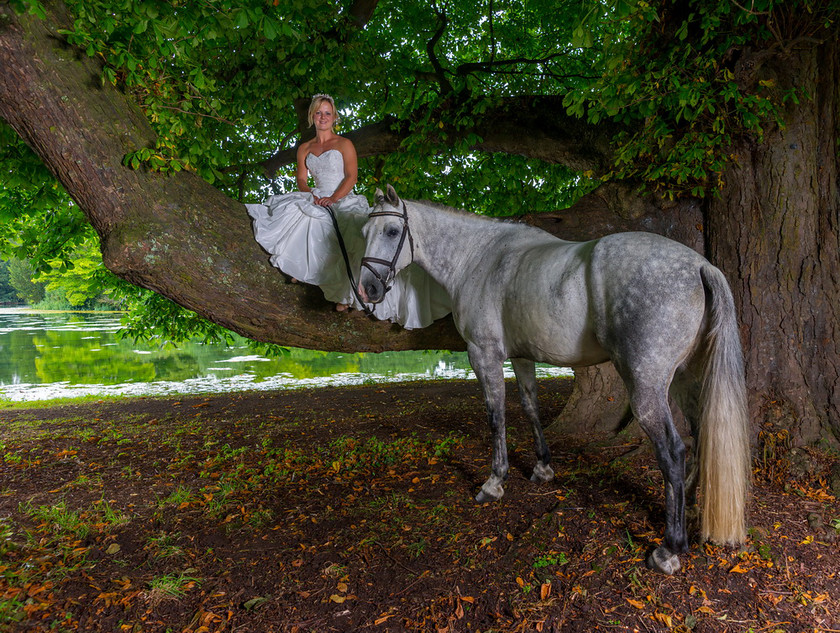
<point x="352" y="510"/>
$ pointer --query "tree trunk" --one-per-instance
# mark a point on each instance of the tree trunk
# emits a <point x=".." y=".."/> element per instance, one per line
<point x="775" y="232"/>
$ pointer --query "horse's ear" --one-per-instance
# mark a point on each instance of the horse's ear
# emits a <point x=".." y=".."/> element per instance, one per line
<point x="391" y="196"/>
<point x="378" y="196"/>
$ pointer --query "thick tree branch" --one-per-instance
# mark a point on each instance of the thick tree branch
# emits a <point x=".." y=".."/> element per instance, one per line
<point x="176" y="235"/>
<point x="361" y="11"/>
<point x="179" y="236"/>
<point x="532" y="126"/>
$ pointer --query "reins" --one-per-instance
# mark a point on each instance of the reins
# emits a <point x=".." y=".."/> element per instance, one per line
<point x="388" y="280"/>
<point x="349" y="268"/>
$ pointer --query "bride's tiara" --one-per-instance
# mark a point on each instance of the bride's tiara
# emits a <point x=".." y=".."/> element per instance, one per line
<point x="321" y="95"/>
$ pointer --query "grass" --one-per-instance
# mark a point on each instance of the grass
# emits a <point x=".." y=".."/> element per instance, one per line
<point x="171" y="586"/>
<point x="178" y="497"/>
<point x="58" y="519"/>
<point x="7" y="403"/>
<point x="164" y="546"/>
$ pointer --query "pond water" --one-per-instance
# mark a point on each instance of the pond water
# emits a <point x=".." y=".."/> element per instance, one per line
<point x="45" y="355"/>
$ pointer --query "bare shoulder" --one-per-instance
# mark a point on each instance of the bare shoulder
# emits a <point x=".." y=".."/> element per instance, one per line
<point x="345" y="146"/>
<point x="304" y="148"/>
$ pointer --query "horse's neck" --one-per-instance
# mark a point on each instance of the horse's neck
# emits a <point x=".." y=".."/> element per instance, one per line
<point x="448" y="242"/>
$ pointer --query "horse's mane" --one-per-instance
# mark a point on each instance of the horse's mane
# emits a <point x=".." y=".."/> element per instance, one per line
<point x="463" y="212"/>
<point x="509" y="224"/>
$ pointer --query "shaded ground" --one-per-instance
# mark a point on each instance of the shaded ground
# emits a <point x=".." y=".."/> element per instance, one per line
<point x="351" y="510"/>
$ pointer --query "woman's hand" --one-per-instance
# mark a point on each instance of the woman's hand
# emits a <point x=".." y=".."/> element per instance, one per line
<point x="327" y="201"/>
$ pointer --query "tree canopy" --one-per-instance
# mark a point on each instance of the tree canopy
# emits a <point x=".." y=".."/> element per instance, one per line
<point x="628" y="114"/>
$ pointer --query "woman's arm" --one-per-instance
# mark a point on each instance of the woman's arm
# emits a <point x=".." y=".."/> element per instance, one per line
<point x="302" y="173"/>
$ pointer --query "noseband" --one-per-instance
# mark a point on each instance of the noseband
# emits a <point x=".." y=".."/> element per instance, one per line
<point x="388" y="280"/>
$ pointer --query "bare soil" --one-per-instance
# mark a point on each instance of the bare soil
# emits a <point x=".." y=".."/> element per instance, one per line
<point x="352" y="510"/>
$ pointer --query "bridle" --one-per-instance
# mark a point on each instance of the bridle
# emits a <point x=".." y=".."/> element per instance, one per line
<point x="388" y="280"/>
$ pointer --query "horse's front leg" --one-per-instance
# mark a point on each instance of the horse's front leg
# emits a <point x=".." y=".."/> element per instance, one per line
<point x="487" y="365"/>
<point x="526" y="378"/>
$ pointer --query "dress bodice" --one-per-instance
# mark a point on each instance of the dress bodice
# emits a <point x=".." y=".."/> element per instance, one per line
<point x="327" y="170"/>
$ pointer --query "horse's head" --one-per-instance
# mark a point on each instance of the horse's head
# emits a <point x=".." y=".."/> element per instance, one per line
<point x="389" y="245"/>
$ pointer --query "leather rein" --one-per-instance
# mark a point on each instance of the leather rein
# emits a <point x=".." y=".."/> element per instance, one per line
<point x="388" y="280"/>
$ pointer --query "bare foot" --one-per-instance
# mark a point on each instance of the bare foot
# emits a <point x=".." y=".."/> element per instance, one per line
<point x="293" y="280"/>
<point x="341" y="307"/>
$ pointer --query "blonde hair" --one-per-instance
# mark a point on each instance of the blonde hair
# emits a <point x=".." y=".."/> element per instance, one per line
<point x="318" y="100"/>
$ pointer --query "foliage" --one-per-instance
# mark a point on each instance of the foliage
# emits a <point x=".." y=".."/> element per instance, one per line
<point x="8" y="294"/>
<point x="223" y="84"/>
<point x="82" y="281"/>
<point x="38" y="221"/>
<point x="675" y="92"/>
<point x="20" y="278"/>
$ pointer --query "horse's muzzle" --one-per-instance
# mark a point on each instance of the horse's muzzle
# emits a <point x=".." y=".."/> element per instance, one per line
<point x="372" y="292"/>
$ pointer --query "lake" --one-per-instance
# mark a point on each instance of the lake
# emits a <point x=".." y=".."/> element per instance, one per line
<point x="46" y="355"/>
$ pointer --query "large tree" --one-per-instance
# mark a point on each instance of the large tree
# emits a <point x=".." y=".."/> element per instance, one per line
<point x="713" y="123"/>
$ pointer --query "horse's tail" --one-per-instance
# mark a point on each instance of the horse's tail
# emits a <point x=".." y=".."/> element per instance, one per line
<point x="724" y="446"/>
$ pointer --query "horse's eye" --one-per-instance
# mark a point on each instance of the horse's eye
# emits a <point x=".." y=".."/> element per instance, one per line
<point x="392" y="232"/>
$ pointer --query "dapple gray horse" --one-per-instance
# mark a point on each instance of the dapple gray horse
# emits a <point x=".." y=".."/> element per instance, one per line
<point x="659" y="311"/>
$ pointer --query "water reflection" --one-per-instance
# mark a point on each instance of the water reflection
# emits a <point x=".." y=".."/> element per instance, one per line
<point x="69" y="354"/>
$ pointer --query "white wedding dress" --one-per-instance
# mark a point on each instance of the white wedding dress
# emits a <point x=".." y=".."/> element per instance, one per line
<point x="300" y="237"/>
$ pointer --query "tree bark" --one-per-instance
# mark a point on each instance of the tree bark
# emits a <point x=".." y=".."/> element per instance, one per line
<point x="775" y="232"/>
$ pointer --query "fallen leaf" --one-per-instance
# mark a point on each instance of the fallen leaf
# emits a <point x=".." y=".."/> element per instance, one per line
<point x="254" y="602"/>
<point x="636" y="603"/>
<point x="665" y="619"/>
<point x="338" y="599"/>
<point x="342" y="587"/>
<point x="545" y="591"/>
<point x="459" y="610"/>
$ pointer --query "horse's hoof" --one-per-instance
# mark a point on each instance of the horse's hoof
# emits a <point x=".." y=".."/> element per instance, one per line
<point x="664" y="561"/>
<point x="542" y="473"/>
<point x="483" y="497"/>
<point x="491" y="491"/>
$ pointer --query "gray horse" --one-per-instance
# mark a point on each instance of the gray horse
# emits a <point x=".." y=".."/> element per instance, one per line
<point x="659" y="311"/>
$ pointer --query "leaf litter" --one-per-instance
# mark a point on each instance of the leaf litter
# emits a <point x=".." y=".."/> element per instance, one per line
<point x="348" y="509"/>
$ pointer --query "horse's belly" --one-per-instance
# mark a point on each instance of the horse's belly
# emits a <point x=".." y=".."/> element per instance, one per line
<point x="562" y="348"/>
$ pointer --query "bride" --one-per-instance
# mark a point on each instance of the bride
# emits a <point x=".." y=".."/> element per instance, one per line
<point x="297" y="231"/>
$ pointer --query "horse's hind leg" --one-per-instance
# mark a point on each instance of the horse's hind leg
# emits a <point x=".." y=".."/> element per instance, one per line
<point x="526" y="378"/>
<point x="488" y="368"/>
<point x="685" y="390"/>
<point x="651" y="409"/>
